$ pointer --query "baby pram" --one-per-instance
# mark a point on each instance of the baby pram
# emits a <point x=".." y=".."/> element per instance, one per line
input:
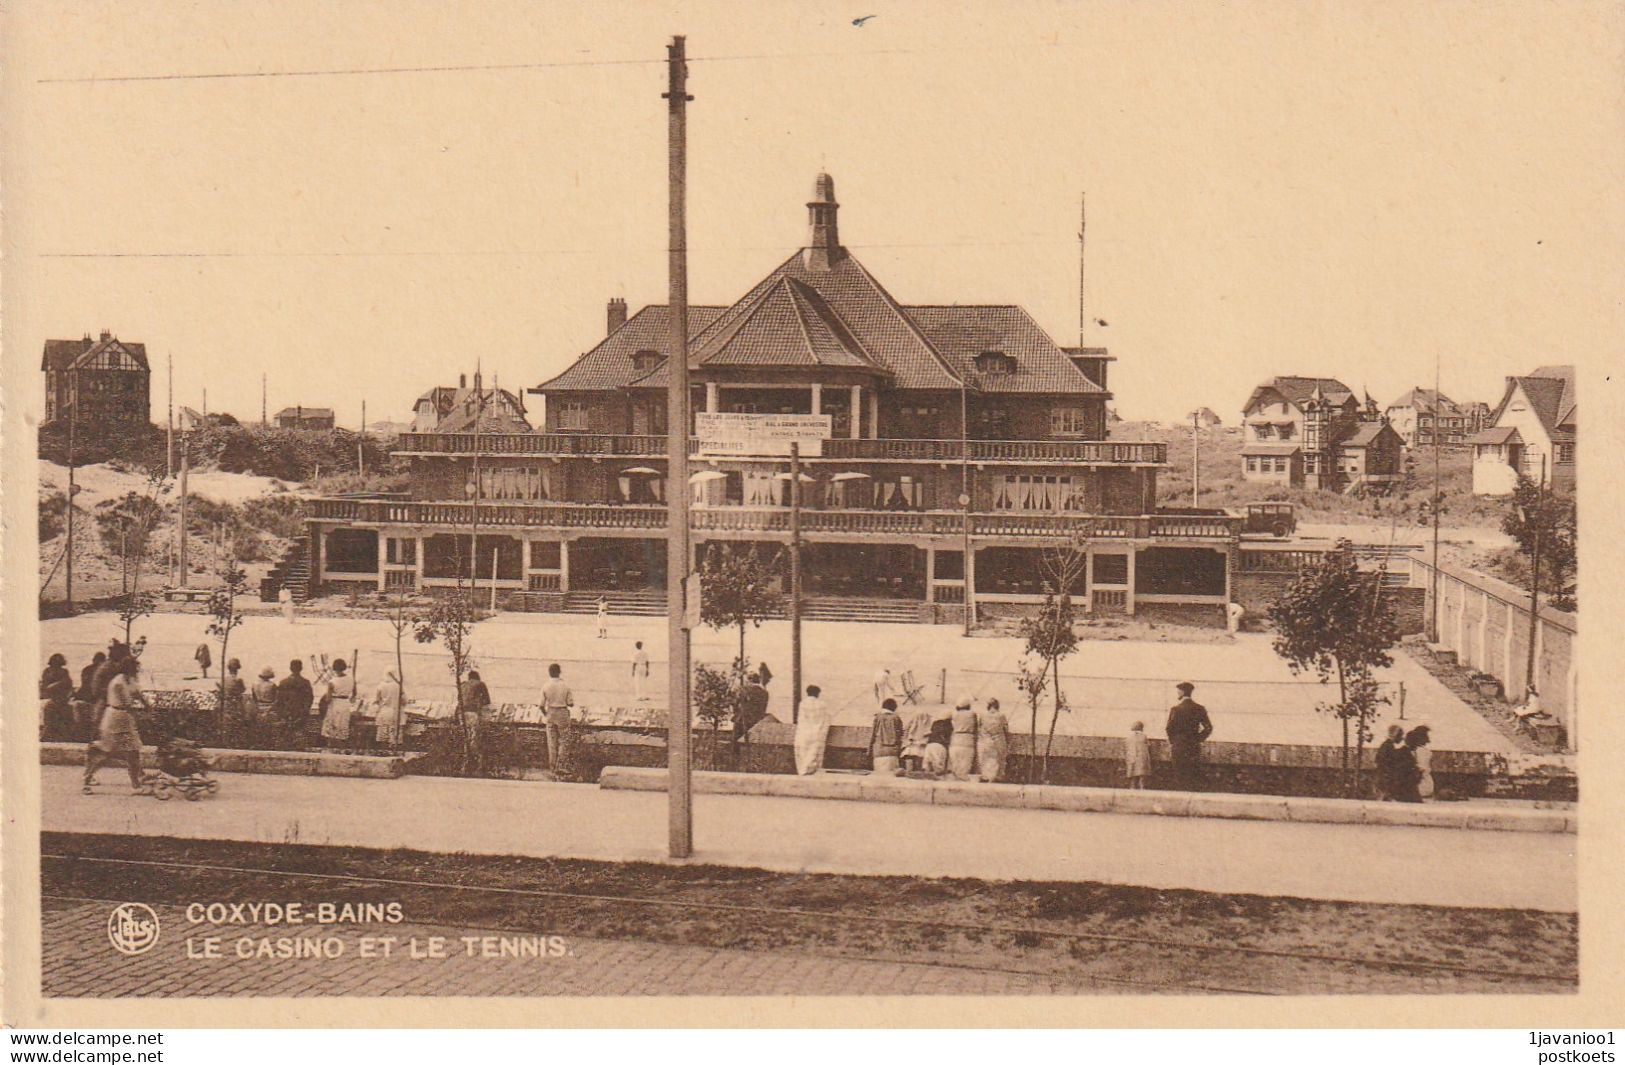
<point x="182" y="767"/>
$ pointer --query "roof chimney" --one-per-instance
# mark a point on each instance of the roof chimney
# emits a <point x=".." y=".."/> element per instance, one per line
<point x="617" y="314"/>
<point x="462" y="380"/>
<point x="106" y="335"/>
<point x="823" y="239"/>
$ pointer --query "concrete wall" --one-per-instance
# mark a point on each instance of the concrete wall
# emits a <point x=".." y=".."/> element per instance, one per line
<point x="1487" y="623"/>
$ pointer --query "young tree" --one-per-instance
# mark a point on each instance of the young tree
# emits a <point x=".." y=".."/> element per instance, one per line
<point x="224" y="618"/>
<point x="1032" y="679"/>
<point x="1539" y="516"/>
<point x="1334" y="622"/>
<point x="400" y="623"/>
<point x="450" y="622"/>
<point x="127" y="525"/>
<point x="1049" y="635"/>
<point x="133" y="606"/>
<point x="738" y="590"/>
<point x="716" y="698"/>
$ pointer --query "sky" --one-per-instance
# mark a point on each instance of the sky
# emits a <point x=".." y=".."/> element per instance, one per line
<point x="1350" y="190"/>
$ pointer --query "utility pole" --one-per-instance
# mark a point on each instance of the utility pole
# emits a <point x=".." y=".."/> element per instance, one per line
<point x="361" y="443"/>
<point x="205" y="403"/>
<point x="679" y="555"/>
<point x="1196" y="465"/>
<point x="1433" y="593"/>
<point x="1538" y="520"/>
<point x="169" y="439"/>
<point x="966" y="570"/>
<point x="1083" y="224"/>
<point x="180" y="528"/>
<point x="73" y="418"/>
<point x="474" y="492"/>
<point x="264" y="418"/>
<point x="795" y="581"/>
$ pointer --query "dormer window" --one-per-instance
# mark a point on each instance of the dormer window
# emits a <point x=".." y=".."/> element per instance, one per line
<point x="995" y="363"/>
<point x="646" y="359"/>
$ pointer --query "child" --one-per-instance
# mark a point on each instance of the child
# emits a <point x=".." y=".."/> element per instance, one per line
<point x="603" y="617"/>
<point x="1137" y="757"/>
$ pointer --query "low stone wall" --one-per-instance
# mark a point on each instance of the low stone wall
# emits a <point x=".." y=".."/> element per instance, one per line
<point x="863" y="787"/>
<point x="284" y="763"/>
<point x="1081" y="761"/>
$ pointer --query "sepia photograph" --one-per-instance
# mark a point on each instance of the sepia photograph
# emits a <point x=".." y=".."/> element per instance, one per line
<point x="738" y="506"/>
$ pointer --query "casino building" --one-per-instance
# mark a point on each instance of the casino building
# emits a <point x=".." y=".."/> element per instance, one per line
<point x="927" y="405"/>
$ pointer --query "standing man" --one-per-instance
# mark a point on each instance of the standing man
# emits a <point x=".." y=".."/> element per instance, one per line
<point x="640" y="672"/>
<point x="1188" y="727"/>
<point x="474" y="700"/>
<point x="603" y="617"/>
<point x="883" y="684"/>
<point x="556" y="702"/>
<point x="294" y="697"/>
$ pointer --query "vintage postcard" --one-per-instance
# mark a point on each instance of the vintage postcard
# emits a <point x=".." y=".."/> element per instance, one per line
<point x="722" y="514"/>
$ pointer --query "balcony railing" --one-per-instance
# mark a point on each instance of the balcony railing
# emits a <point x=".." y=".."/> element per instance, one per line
<point x="841" y="449"/>
<point x="776" y="519"/>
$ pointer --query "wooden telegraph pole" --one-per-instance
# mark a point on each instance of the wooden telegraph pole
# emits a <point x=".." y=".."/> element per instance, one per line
<point x="1196" y="465"/>
<point x="169" y="439"/>
<point x="361" y="443"/>
<point x="73" y="418"/>
<point x="795" y="581"/>
<point x="679" y="555"/>
<point x="180" y="528"/>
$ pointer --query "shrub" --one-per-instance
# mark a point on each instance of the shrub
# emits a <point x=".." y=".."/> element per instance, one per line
<point x="53" y="515"/>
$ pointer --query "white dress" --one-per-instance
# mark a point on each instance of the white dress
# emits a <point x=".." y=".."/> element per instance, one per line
<point x="812" y="732"/>
<point x="340" y="698"/>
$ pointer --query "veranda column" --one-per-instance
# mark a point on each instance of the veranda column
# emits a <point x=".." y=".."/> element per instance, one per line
<point x="930" y="569"/>
<point x="969" y="570"/>
<point x="857" y="410"/>
<point x="817" y="398"/>
<point x="564" y="565"/>
<point x="383" y="555"/>
<point x="874" y="414"/>
<point x="710" y="397"/>
<point x="1128" y="596"/>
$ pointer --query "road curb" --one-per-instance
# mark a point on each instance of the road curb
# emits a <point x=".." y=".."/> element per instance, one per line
<point x="864" y="788"/>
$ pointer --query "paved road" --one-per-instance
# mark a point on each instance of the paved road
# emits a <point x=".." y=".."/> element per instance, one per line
<point x="80" y="962"/>
<point x="1362" y="863"/>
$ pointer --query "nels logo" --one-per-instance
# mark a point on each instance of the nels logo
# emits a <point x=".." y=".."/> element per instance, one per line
<point x="132" y="928"/>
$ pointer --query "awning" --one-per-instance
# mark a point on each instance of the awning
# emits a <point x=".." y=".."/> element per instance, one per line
<point x="642" y="471"/>
<point x="707" y="475"/>
<point x="850" y="477"/>
<point x="805" y="479"/>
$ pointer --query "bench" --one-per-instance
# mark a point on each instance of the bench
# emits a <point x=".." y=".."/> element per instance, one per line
<point x="188" y="595"/>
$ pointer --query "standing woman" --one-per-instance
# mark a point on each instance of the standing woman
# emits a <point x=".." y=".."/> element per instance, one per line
<point x="119" y="739"/>
<point x="812" y="732"/>
<point x="992" y="741"/>
<point x="56" y="695"/>
<point x="962" y="748"/>
<point x="1418" y="740"/>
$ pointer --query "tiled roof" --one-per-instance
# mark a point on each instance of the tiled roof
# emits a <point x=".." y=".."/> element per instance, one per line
<point x="1424" y="400"/>
<point x="609" y="365"/>
<point x="1270" y="449"/>
<point x="306" y="412"/>
<point x="789" y="324"/>
<point x="962" y="332"/>
<point x="1552" y="394"/>
<point x="503" y="412"/>
<point x="1300" y="390"/>
<point x="64" y="354"/>
<point x="1364" y="435"/>
<point x="877" y="323"/>
<point x="1499" y="435"/>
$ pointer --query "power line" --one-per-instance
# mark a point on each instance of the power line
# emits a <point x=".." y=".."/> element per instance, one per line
<point x="514" y="253"/>
<point x="477" y="67"/>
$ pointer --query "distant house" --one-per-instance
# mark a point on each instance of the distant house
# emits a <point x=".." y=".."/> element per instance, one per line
<point x="1293" y="429"/>
<point x="187" y="419"/>
<point x="103" y="384"/>
<point x="447" y="409"/>
<point x="1205" y="418"/>
<point x="1424" y="415"/>
<point x="305" y="418"/>
<point x="1532" y="432"/>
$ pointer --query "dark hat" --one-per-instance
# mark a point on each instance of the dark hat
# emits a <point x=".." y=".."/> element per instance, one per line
<point x="57" y="660"/>
<point x="1184" y="687"/>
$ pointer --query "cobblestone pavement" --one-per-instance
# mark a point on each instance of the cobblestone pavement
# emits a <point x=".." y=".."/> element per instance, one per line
<point x="82" y="962"/>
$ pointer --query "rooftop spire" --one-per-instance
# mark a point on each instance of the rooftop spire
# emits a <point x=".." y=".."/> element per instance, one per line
<point x="823" y="238"/>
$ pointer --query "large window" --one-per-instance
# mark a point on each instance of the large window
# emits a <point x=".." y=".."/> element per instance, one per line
<point x="1068" y="421"/>
<point x="1022" y="491"/>
<point x="572" y="414"/>
<point x="515" y="483"/>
